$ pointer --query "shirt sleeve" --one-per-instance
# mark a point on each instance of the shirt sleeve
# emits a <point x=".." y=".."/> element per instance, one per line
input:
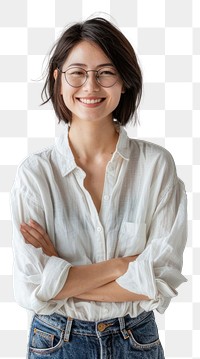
<point x="37" y="277"/>
<point x="156" y="272"/>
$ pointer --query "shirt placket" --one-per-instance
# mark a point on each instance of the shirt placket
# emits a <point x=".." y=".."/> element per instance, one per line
<point x="99" y="219"/>
<point x="92" y="215"/>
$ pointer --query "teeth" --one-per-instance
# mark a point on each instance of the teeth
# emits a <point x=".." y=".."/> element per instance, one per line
<point x="84" y="100"/>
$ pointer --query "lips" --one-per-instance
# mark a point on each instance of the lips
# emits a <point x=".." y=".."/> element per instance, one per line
<point x="91" y="101"/>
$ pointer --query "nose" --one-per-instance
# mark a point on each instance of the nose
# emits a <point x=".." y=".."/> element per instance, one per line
<point x="91" y="83"/>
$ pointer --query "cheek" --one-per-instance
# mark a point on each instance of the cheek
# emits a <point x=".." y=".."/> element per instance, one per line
<point x="118" y="95"/>
<point x="65" y="89"/>
<point x="67" y="94"/>
<point x="62" y="86"/>
<point x="68" y="99"/>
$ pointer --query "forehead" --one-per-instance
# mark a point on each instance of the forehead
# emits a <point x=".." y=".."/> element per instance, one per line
<point x="87" y="53"/>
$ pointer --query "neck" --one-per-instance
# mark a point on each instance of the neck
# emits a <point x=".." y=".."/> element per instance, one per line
<point x="89" y="140"/>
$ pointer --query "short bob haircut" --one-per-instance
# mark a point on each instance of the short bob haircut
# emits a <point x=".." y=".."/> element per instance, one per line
<point x="117" y="48"/>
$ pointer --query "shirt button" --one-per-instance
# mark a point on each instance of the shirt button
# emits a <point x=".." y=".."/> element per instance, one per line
<point x="106" y="197"/>
<point x="99" y="229"/>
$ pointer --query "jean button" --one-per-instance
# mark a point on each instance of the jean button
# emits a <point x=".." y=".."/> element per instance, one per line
<point x="101" y="327"/>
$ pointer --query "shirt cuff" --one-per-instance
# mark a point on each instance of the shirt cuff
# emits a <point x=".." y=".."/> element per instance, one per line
<point x="54" y="277"/>
<point x="142" y="278"/>
<point x="139" y="279"/>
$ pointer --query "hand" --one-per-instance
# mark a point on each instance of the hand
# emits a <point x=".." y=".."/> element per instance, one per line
<point x="34" y="234"/>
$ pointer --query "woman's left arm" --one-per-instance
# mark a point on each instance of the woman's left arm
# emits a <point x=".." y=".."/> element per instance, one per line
<point x="112" y="292"/>
<point x="157" y="270"/>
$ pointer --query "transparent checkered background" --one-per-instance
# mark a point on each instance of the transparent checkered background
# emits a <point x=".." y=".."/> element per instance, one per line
<point x="166" y="37"/>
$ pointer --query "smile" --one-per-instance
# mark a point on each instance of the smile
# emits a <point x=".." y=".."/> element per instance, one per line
<point x="90" y="101"/>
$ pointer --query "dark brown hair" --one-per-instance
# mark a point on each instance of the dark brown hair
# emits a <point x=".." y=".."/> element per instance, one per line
<point x="117" y="48"/>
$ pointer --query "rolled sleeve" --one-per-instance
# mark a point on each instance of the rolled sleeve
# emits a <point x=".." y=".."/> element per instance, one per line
<point x="38" y="278"/>
<point x="156" y="272"/>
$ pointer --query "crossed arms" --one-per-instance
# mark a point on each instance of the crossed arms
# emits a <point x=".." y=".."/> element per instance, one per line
<point x="94" y="282"/>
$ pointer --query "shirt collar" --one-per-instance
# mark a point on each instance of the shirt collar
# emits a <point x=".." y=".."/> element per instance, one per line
<point x="65" y="156"/>
<point x="123" y="146"/>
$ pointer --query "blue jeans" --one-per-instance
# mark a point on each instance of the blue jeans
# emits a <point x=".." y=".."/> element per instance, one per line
<point x="58" y="337"/>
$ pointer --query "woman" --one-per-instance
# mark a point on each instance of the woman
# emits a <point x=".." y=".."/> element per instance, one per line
<point x="99" y="219"/>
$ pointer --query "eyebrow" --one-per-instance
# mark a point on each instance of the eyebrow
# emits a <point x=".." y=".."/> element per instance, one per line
<point x="84" y="65"/>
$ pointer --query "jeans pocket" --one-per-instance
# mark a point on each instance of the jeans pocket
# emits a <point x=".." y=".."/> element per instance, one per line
<point x="44" y="338"/>
<point x="144" y="335"/>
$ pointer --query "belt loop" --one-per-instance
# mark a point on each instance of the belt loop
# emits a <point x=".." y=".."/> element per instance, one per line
<point x="123" y="327"/>
<point x="68" y="329"/>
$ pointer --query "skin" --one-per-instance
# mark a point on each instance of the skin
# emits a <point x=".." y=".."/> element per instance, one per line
<point x="92" y="139"/>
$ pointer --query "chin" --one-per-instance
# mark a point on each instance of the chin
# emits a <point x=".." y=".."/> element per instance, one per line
<point x="93" y="118"/>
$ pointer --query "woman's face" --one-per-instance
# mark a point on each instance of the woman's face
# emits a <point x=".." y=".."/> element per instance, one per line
<point x="91" y="101"/>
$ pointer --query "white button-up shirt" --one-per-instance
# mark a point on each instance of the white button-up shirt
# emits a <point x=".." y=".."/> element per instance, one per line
<point x="143" y="211"/>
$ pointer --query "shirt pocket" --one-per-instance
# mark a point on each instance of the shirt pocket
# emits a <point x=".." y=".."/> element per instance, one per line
<point x="132" y="238"/>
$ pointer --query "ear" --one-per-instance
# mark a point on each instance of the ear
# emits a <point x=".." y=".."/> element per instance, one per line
<point x="55" y="74"/>
<point x="123" y="90"/>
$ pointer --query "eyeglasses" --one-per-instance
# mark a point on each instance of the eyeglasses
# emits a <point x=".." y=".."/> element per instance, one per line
<point x="77" y="77"/>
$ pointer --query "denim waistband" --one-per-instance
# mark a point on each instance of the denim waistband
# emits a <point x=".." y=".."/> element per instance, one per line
<point x="99" y="328"/>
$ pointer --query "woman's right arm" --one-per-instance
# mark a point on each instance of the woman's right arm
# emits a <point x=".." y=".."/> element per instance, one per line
<point x="37" y="277"/>
<point x="82" y="278"/>
<point x="41" y="277"/>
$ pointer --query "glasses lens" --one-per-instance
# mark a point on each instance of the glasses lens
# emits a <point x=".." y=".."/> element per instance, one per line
<point x="107" y="76"/>
<point x="75" y="76"/>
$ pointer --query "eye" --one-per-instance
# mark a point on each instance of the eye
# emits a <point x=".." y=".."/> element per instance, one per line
<point x="76" y="72"/>
<point x="107" y="72"/>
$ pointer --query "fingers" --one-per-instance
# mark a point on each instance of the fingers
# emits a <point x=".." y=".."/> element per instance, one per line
<point x="36" y="226"/>
<point x="29" y="238"/>
<point x="45" y="238"/>
<point x="40" y="230"/>
<point x="34" y="234"/>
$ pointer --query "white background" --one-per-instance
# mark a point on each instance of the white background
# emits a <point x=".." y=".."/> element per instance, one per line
<point x="165" y="35"/>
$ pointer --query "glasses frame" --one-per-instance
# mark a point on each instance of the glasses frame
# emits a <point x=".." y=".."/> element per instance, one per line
<point x="86" y="76"/>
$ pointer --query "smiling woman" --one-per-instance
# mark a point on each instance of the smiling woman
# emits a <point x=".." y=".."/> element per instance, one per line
<point x="99" y="219"/>
<point x="94" y="87"/>
<point x="118" y="53"/>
